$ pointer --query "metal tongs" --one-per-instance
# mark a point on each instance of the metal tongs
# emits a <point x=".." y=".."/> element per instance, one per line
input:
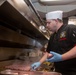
<point x="32" y="68"/>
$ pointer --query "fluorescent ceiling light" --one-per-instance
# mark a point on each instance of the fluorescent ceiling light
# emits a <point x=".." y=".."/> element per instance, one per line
<point x="71" y="22"/>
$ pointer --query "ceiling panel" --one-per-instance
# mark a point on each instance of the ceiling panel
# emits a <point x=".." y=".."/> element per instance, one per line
<point x="67" y="6"/>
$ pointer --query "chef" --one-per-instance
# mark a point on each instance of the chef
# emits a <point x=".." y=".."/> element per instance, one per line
<point x="61" y="47"/>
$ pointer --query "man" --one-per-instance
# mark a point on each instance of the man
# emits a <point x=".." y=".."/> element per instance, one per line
<point x="61" y="46"/>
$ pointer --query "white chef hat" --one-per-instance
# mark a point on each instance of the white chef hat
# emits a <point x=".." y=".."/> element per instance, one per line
<point x="54" y="15"/>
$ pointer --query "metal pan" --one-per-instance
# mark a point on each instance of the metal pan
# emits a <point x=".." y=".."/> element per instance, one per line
<point x="42" y="73"/>
<point x="31" y="73"/>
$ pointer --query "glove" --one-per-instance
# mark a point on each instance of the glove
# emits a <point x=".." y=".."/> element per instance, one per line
<point x="55" y="58"/>
<point x="35" y="65"/>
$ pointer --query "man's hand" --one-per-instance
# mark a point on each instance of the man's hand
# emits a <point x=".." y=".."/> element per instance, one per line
<point x="35" y="65"/>
<point x="55" y="57"/>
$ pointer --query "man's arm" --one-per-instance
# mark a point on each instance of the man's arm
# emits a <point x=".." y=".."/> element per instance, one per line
<point x="58" y="57"/>
<point x="37" y="64"/>
<point x="46" y="55"/>
<point x="70" y="54"/>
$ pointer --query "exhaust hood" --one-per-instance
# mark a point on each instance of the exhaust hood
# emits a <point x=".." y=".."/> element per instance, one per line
<point x="21" y="18"/>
